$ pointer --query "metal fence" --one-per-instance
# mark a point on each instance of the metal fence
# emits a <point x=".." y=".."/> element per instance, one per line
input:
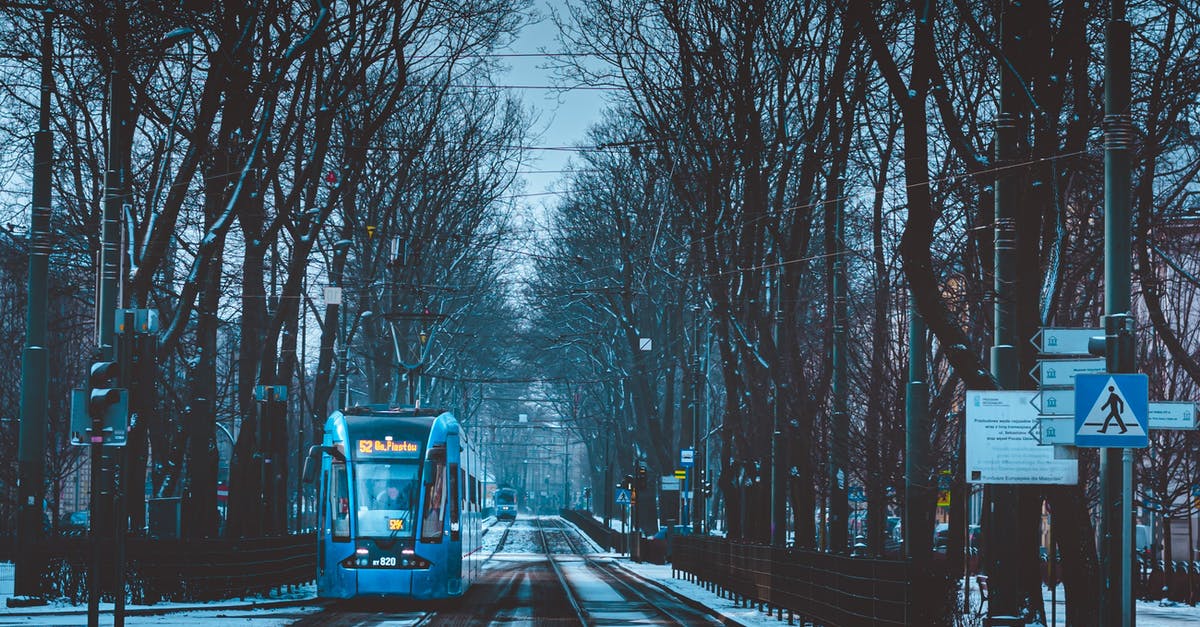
<point x="823" y="588"/>
<point x="610" y="539"/>
<point x="184" y="570"/>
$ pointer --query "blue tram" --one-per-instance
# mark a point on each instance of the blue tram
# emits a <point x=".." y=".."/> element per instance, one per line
<point x="505" y="502"/>
<point x="399" y="499"/>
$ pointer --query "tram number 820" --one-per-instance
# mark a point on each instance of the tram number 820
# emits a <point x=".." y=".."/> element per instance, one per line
<point x="387" y="561"/>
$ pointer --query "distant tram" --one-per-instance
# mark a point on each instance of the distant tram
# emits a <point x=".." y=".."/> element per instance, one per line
<point x="504" y="500"/>
<point x="399" y="501"/>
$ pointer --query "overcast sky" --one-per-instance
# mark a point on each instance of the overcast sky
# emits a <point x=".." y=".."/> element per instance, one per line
<point x="562" y="118"/>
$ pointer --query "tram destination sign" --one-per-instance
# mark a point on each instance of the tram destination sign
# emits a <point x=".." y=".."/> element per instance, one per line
<point x="388" y="448"/>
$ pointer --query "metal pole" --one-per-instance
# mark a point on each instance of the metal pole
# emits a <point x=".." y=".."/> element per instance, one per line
<point x="34" y="368"/>
<point x="840" y="433"/>
<point x="1116" y="464"/>
<point x="778" y="477"/>
<point x="1004" y="593"/>
<point x="697" y="470"/>
<point x="917" y="540"/>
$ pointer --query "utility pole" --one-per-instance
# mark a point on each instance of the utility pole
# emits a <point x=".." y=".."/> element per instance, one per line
<point x="839" y="504"/>
<point x="31" y="455"/>
<point x="917" y="531"/>
<point x="778" y="453"/>
<point x="1116" y="465"/>
<point x="697" y="470"/>
<point x="1004" y="599"/>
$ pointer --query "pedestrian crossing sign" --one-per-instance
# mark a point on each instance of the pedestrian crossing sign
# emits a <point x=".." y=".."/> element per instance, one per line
<point x="1112" y="410"/>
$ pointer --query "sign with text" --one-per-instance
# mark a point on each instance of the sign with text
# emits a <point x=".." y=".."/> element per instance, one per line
<point x="1055" y="402"/>
<point x="389" y="448"/>
<point x="1056" y="341"/>
<point x="1062" y="372"/>
<point x="1000" y="447"/>
<point x="1172" y="415"/>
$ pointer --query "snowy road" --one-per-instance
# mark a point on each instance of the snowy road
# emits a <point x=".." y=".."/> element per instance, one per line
<point x="542" y="572"/>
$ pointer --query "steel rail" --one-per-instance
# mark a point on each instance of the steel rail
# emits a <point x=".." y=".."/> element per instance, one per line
<point x="562" y="579"/>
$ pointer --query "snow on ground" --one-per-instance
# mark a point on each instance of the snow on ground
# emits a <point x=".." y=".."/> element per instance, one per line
<point x="522" y="538"/>
<point x="1149" y="613"/>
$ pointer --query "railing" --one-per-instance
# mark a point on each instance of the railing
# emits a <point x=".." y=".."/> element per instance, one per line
<point x="824" y="588"/>
<point x="185" y="570"/>
<point x="610" y="539"/>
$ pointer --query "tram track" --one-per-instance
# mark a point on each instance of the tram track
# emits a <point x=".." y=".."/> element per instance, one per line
<point x="558" y="572"/>
<point x="658" y="606"/>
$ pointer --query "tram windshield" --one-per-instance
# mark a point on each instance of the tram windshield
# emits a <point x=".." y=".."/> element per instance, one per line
<point x="387" y="497"/>
<point x="505" y="497"/>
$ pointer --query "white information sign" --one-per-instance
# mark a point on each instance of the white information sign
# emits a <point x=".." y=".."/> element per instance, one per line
<point x="1056" y="341"/>
<point x="1055" y="402"/>
<point x="1002" y="447"/>
<point x="1172" y="415"/>
<point x="1062" y="372"/>
<point x="669" y="483"/>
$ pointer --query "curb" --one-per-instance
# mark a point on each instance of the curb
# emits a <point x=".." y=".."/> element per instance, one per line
<point x="694" y="604"/>
<point x="175" y="609"/>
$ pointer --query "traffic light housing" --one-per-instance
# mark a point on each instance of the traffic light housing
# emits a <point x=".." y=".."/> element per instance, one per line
<point x="102" y="390"/>
<point x="641" y="477"/>
<point x="107" y="404"/>
<point x="706" y="488"/>
<point x="627" y="482"/>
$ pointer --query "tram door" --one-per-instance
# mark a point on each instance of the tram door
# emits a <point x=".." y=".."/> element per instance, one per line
<point x="454" y="551"/>
<point x="334" y="532"/>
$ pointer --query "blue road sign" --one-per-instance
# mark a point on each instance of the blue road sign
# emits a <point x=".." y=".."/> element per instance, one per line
<point x="623" y="496"/>
<point x="856" y="495"/>
<point x="1112" y="410"/>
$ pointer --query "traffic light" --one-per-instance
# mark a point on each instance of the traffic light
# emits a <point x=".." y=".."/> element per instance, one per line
<point x="627" y="482"/>
<point x="706" y="488"/>
<point x="106" y="402"/>
<point x="587" y="493"/>
<point x="641" y="477"/>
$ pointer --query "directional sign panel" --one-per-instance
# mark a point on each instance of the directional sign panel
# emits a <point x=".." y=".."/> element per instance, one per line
<point x="1062" y="372"/>
<point x="1055" y="402"/>
<point x="1056" y="430"/>
<point x="1056" y="341"/>
<point x="1002" y="445"/>
<point x="1112" y="410"/>
<point x="1172" y="415"/>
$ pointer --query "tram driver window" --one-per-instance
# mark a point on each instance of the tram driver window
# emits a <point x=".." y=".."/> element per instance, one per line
<point x="339" y="503"/>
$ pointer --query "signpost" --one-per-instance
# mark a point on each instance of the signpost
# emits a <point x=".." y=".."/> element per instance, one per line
<point x="1172" y="415"/>
<point x="1112" y="411"/>
<point x="1000" y="449"/>
<point x="1064" y="341"/>
<point x="1062" y="372"/>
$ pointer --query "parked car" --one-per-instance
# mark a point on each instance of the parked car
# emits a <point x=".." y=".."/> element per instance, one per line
<point x="74" y="524"/>
<point x="657" y="548"/>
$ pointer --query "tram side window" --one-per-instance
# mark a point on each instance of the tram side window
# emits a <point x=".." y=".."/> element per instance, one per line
<point x="435" y="493"/>
<point x="339" y="503"/>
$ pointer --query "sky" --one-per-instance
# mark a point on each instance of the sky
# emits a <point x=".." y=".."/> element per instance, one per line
<point x="562" y="118"/>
